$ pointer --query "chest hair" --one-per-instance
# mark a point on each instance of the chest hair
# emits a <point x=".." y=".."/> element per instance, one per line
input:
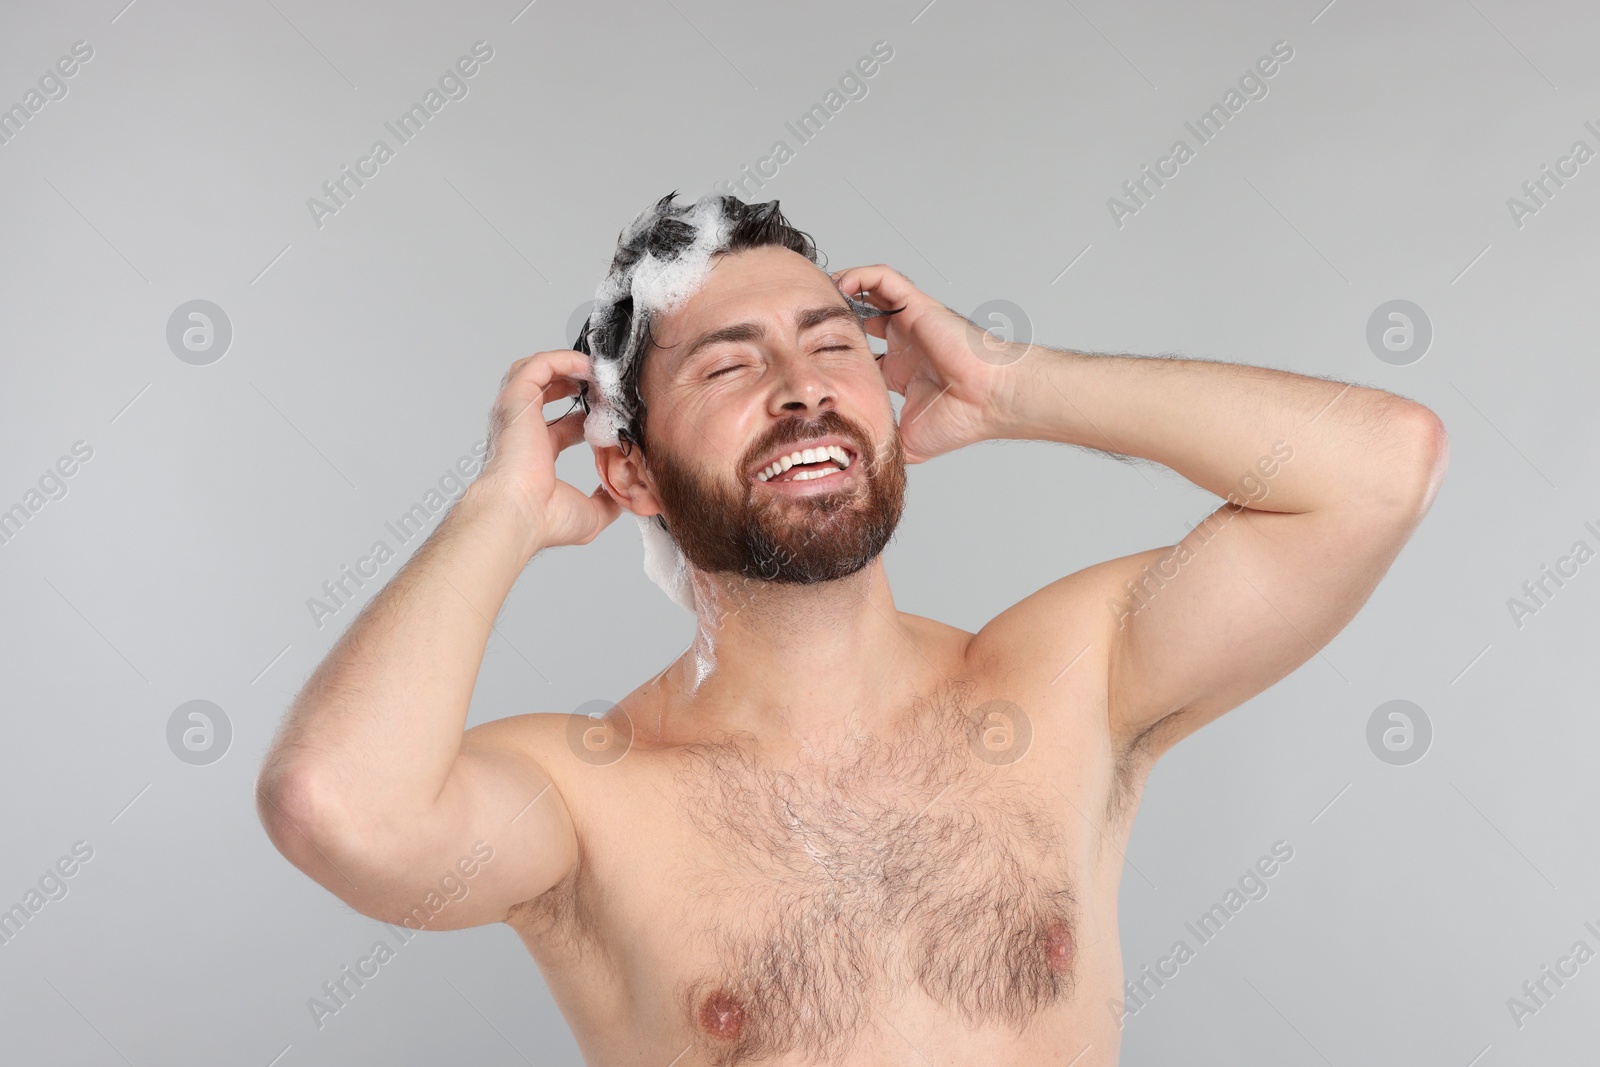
<point x="881" y="864"/>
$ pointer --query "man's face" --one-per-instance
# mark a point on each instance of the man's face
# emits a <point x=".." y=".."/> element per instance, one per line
<point x="763" y="361"/>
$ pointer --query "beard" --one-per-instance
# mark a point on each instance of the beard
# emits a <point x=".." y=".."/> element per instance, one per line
<point x="743" y="529"/>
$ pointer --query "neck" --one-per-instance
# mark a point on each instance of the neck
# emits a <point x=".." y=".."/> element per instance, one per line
<point x="787" y="662"/>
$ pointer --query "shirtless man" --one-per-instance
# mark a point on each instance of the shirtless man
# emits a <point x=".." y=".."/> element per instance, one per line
<point x="832" y="831"/>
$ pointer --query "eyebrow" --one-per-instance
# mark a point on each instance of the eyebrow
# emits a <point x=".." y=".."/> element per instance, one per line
<point x="755" y="331"/>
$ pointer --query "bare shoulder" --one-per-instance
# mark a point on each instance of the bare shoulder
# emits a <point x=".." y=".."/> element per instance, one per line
<point x="543" y="738"/>
<point x="1065" y="628"/>
<point x="1061" y="644"/>
<point x="933" y="633"/>
<point x="564" y="746"/>
<point x="527" y="735"/>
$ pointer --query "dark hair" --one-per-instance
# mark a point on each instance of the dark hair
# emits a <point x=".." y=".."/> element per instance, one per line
<point x="754" y="226"/>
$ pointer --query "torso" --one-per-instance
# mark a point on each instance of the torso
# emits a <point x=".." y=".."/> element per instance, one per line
<point x="945" y="893"/>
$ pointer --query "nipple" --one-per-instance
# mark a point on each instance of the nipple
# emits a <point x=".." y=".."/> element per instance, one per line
<point x="722" y="1016"/>
<point x="1058" y="946"/>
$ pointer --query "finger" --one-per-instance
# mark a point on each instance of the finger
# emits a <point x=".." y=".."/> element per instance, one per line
<point x="884" y="286"/>
<point x="560" y="389"/>
<point x="533" y="383"/>
<point x="567" y="361"/>
<point x="567" y="430"/>
<point x="538" y="371"/>
<point x="515" y="406"/>
<point x="605" y="506"/>
<point x="896" y="370"/>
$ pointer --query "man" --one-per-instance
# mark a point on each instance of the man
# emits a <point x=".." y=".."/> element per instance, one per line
<point x="830" y="831"/>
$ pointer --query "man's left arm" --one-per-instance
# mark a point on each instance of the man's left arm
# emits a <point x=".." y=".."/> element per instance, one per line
<point x="1322" y="482"/>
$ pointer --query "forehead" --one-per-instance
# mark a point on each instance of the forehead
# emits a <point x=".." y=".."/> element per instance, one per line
<point x="754" y="284"/>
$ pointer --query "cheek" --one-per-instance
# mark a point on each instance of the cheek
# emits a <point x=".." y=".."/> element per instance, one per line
<point x="878" y="398"/>
<point x="702" y="443"/>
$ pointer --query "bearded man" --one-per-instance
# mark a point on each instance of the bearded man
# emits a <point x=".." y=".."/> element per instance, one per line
<point x="829" y="831"/>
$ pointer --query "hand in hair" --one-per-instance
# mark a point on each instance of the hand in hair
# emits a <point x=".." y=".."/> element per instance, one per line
<point x="957" y="379"/>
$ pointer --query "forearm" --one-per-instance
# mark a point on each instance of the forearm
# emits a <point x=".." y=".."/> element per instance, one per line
<point x="377" y="728"/>
<point x="1220" y="423"/>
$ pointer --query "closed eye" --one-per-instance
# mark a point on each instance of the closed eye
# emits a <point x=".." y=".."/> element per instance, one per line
<point x="736" y="366"/>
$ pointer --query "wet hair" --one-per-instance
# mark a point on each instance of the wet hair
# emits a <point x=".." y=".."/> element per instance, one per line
<point x="618" y="332"/>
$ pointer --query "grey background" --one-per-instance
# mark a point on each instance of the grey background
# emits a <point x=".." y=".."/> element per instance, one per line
<point x="365" y="355"/>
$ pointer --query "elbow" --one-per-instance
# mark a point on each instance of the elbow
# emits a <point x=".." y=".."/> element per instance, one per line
<point x="308" y="816"/>
<point x="1408" y="458"/>
<point x="290" y="802"/>
<point x="318" y="825"/>
<point x="1428" y="453"/>
<point x="311" y="823"/>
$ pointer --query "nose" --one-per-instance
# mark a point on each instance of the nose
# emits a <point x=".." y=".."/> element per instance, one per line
<point x="800" y="387"/>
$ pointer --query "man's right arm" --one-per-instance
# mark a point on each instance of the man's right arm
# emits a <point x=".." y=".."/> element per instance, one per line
<point x="374" y="787"/>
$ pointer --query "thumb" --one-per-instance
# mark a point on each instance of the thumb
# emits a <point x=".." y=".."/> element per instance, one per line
<point x="605" y="506"/>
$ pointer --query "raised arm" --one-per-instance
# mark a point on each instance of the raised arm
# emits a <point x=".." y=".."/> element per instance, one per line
<point x="373" y="786"/>
<point x="1323" y="483"/>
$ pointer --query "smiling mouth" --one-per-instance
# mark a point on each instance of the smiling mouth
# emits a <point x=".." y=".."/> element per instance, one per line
<point x="807" y="465"/>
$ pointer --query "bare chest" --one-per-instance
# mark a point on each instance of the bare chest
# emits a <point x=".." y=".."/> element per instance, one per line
<point x="766" y="909"/>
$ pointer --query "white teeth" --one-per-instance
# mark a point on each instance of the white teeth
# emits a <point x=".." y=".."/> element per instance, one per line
<point x="809" y="455"/>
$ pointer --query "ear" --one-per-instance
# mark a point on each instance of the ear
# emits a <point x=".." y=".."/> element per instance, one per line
<point x="625" y="479"/>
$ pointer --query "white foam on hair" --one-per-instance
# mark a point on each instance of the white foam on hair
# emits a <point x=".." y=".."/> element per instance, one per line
<point x="658" y="287"/>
